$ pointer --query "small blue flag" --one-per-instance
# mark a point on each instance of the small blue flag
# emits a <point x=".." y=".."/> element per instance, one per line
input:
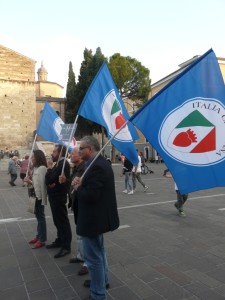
<point x="185" y="123"/>
<point x="102" y="104"/>
<point x="50" y="126"/>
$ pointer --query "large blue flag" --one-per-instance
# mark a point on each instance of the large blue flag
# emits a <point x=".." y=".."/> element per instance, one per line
<point x="185" y="123"/>
<point x="102" y="104"/>
<point x="50" y="126"/>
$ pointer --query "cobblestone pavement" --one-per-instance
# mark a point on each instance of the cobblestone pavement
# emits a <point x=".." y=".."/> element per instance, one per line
<point x="155" y="254"/>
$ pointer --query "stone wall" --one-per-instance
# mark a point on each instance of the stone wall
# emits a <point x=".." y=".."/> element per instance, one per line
<point x="17" y="99"/>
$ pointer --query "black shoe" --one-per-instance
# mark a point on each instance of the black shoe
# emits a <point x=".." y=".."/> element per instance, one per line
<point x="87" y="283"/>
<point x="75" y="260"/>
<point x="62" y="252"/>
<point x="53" y="245"/>
<point x="10" y="183"/>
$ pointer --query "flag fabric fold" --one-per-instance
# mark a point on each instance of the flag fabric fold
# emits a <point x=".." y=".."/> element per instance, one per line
<point x="185" y="123"/>
<point x="50" y="127"/>
<point x="102" y="104"/>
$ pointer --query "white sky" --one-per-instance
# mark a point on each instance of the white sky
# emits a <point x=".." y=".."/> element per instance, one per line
<point x="160" y="34"/>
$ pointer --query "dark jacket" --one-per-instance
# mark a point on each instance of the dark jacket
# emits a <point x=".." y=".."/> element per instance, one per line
<point x="96" y="201"/>
<point x="77" y="172"/>
<point x="52" y="176"/>
<point x="127" y="166"/>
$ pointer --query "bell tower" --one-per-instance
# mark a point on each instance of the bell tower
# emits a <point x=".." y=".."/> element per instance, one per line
<point x="42" y="73"/>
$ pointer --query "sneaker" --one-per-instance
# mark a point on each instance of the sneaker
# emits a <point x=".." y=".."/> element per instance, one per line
<point x="131" y="193"/>
<point x="182" y="213"/>
<point x="33" y="241"/>
<point x="145" y="189"/>
<point x="38" y="245"/>
<point x="125" y="191"/>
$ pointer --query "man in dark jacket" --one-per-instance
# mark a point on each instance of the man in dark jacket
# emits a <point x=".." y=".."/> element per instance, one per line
<point x="57" y="195"/>
<point x="96" y="213"/>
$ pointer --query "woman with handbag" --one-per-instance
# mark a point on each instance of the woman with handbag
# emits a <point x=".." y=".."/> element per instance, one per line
<point x="38" y="181"/>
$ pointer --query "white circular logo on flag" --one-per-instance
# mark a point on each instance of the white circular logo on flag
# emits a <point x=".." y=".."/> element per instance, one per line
<point x="57" y="126"/>
<point x="113" y="116"/>
<point x="194" y="132"/>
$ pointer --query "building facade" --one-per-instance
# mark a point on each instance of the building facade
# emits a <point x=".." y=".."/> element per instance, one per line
<point x="22" y="98"/>
<point x="17" y="98"/>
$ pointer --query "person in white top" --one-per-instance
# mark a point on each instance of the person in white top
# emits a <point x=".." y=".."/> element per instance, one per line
<point x="40" y="190"/>
<point x="136" y="172"/>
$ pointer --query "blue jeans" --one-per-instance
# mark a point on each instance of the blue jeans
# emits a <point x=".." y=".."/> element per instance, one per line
<point x="41" y="226"/>
<point x="95" y="258"/>
<point x="128" y="181"/>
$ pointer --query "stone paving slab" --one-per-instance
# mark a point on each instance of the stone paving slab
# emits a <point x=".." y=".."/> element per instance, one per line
<point x="155" y="254"/>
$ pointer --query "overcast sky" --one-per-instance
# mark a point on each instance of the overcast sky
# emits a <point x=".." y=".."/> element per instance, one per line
<point x="160" y="34"/>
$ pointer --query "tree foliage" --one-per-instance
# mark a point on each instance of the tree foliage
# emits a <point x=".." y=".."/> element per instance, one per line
<point x="131" y="78"/>
<point x="70" y="96"/>
<point x="89" y="68"/>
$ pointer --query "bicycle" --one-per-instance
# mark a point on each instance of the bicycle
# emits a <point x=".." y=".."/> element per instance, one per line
<point x="145" y="170"/>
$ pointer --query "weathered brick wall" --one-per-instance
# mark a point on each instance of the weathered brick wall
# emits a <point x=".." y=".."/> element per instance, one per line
<point x="15" y="66"/>
<point x="17" y="99"/>
<point x="18" y="108"/>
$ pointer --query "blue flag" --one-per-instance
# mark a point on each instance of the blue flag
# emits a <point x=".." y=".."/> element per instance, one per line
<point x="185" y="123"/>
<point x="50" y="126"/>
<point x="102" y="104"/>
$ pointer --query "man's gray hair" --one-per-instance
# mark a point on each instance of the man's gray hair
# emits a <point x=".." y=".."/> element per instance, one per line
<point x="91" y="141"/>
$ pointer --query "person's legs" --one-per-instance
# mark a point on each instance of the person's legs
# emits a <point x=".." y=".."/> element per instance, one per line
<point x="134" y="180"/>
<point x="129" y="181"/>
<point x="53" y="206"/>
<point x="126" y="181"/>
<point x="63" y="222"/>
<point x="138" y="176"/>
<point x="94" y="256"/>
<point x="13" y="178"/>
<point x="40" y="215"/>
<point x="80" y="248"/>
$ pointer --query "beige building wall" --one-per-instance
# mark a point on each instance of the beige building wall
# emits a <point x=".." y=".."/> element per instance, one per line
<point x="17" y="99"/>
<point x="46" y="89"/>
<point x="58" y="106"/>
<point x="222" y="68"/>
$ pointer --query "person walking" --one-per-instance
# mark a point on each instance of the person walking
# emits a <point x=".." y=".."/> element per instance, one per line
<point x="127" y="171"/>
<point x="136" y="174"/>
<point x="39" y="169"/>
<point x="12" y="170"/>
<point x="96" y="214"/>
<point x="181" y="199"/>
<point x="23" y="167"/>
<point x="78" y="170"/>
<point x="57" y="195"/>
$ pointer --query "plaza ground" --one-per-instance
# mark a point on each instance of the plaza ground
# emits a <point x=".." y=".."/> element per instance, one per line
<point x="155" y="255"/>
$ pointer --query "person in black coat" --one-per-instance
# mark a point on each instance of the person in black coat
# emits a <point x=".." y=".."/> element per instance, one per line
<point x="57" y="196"/>
<point x="96" y="213"/>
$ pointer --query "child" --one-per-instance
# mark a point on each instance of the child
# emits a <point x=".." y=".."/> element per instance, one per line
<point x="181" y="199"/>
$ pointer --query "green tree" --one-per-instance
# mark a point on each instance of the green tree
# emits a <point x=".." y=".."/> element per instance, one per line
<point x="131" y="78"/>
<point x="71" y="104"/>
<point x="89" y="68"/>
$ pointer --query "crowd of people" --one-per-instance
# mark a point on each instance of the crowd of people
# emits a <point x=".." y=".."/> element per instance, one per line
<point x="90" y="189"/>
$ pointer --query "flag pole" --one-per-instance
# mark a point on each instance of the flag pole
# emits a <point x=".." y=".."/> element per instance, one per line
<point x="70" y="139"/>
<point x="32" y="149"/>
